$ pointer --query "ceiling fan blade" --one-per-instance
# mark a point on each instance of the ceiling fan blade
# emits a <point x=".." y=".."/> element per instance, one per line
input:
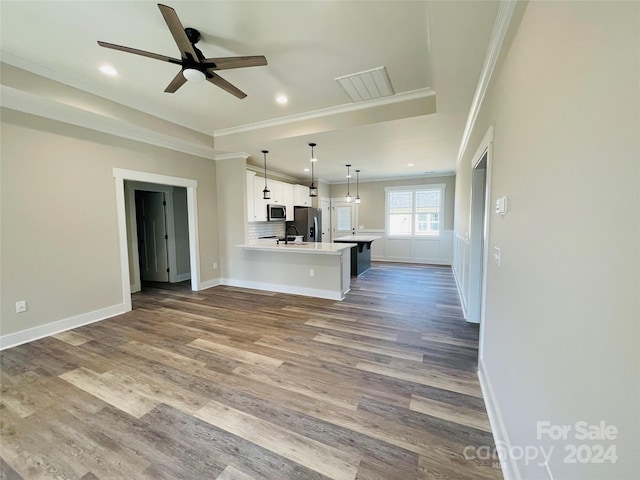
<point x="176" y="83"/>
<point x="177" y="30"/>
<point x="164" y="58"/>
<point x="226" y="63"/>
<point x="223" y="84"/>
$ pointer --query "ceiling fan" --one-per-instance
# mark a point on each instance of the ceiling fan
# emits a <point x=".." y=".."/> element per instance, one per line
<point x="195" y="66"/>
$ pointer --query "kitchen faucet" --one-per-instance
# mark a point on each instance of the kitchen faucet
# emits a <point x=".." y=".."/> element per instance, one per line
<point x="287" y="230"/>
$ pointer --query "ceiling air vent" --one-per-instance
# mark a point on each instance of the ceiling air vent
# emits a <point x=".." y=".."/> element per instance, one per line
<point x="366" y="85"/>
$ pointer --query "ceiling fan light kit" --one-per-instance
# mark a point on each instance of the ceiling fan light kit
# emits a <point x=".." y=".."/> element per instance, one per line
<point x="195" y="67"/>
<point x="193" y="75"/>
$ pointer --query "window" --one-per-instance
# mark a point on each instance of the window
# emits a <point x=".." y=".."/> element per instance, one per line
<point x="414" y="211"/>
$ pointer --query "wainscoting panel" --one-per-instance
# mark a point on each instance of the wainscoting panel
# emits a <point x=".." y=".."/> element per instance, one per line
<point x="461" y="269"/>
<point x="398" y="250"/>
<point x="425" y="250"/>
<point x="436" y="251"/>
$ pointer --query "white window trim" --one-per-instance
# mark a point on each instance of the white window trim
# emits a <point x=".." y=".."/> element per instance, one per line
<point x="429" y="186"/>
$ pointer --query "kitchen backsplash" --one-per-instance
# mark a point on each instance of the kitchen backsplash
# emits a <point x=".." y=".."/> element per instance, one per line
<point x="265" y="229"/>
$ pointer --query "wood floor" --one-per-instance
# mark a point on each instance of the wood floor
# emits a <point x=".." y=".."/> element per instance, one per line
<point x="234" y="384"/>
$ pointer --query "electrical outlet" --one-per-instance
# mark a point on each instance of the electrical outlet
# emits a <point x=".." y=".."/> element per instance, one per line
<point x="215" y="265"/>
<point x="311" y="272"/>
<point x="21" y="306"/>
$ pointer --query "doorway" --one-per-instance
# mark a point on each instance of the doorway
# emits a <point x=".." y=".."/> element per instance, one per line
<point x="127" y="224"/>
<point x="159" y="246"/>
<point x="343" y="219"/>
<point x="476" y="262"/>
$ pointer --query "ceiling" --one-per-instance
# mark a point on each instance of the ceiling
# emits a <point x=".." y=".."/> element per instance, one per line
<point x="433" y="53"/>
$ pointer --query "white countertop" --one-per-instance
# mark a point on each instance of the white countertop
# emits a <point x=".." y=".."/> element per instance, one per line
<point x="357" y="238"/>
<point x="292" y="247"/>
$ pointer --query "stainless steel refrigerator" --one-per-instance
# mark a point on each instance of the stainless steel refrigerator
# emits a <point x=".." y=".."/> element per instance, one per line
<point x="308" y="222"/>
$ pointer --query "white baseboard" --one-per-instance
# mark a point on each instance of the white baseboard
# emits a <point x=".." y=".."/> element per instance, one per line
<point x="214" y="282"/>
<point x="508" y="465"/>
<point x="31" y="334"/>
<point x="434" y="261"/>
<point x="293" y="290"/>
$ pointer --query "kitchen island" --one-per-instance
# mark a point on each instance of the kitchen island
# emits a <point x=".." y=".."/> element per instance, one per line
<point x="360" y="252"/>
<point x="313" y="269"/>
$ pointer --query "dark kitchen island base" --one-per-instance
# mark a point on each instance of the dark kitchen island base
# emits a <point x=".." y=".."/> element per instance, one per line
<point x="360" y="254"/>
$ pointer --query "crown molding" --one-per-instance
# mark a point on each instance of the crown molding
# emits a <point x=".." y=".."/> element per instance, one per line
<point x="500" y="29"/>
<point x="273" y="174"/>
<point x="32" y="104"/>
<point x="445" y="173"/>
<point x="325" y="112"/>
<point x="232" y="156"/>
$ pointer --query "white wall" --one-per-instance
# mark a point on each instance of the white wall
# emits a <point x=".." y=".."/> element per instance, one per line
<point x="60" y="249"/>
<point x="561" y="336"/>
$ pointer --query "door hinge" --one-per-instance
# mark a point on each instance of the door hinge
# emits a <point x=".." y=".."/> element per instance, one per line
<point x="167" y="270"/>
<point x="164" y="203"/>
<point x="166" y="237"/>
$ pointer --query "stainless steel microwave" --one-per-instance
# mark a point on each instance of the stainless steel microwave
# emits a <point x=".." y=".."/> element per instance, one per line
<point x="276" y="213"/>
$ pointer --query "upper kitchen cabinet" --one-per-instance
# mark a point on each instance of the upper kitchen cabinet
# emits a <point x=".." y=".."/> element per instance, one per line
<point x="301" y="196"/>
<point x="287" y="197"/>
<point x="277" y="192"/>
<point x="281" y="194"/>
<point x="259" y="204"/>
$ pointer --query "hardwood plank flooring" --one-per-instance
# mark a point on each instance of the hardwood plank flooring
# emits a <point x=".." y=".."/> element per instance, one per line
<point x="237" y="384"/>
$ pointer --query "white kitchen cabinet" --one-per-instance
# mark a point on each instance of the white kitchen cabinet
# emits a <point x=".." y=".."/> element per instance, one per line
<point x="301" y="196"/>
<point x="277" y="192"/>
<point x="287" y="197"/>
<point x="281" y="194"/>
<point x="259" y="204"/>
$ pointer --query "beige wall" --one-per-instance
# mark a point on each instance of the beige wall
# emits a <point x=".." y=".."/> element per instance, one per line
<point x="561" y="335"/>
<point x="59" y="233"/>
<point x="371" y="212"/>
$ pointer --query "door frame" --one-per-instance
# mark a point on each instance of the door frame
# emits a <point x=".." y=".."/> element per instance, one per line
<point x="120" y="175"/>
<point x="131" y="188"/>
<point x="326" y="221"/>
<point x="478" y="263"/>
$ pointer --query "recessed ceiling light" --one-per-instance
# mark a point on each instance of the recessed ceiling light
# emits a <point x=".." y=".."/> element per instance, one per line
<point x="108" y="70"/>
<point x="410" y="164"/>
<point x="282" y="99"/>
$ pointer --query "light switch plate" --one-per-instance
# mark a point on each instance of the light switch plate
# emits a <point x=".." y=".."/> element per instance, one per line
<point x="497" y="255"/>
<point x="501" y="206"/>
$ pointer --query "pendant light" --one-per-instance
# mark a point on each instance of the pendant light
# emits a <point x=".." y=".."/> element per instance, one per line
<point x="266" y="193"/>
<point x="357" y="200"/>
<point x="348" y="195"/>
<point x="313" y="190"/>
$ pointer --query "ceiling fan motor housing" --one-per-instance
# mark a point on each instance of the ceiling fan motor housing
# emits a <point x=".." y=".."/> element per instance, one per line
<point x="193" y="35"/>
